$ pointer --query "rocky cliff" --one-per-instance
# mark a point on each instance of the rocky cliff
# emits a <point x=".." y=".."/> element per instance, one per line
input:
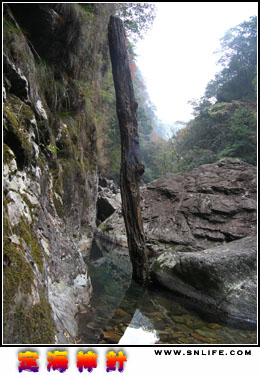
<point x="55" y="59"/>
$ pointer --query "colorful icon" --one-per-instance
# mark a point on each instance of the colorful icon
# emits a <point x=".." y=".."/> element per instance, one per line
<point x="28" y="361"/>
<point x="87" y="361"/>
<point x="57" y="361"/>
<point x="112" y="359"/>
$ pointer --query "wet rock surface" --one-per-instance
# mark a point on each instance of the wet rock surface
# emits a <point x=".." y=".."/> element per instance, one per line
<point x="200" y="229"/>
<point x="123" y="313"/>
<point x="49" y="254"/>
<point x="223" y="277"/>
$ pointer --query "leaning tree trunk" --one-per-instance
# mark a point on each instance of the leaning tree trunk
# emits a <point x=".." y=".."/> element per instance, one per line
<point x="131" y="165"/>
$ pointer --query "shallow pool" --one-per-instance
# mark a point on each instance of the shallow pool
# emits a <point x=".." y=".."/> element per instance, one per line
<point x="123" y="313"/>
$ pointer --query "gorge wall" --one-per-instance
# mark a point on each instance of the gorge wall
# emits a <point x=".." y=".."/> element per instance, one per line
<point x="55" y="62"/>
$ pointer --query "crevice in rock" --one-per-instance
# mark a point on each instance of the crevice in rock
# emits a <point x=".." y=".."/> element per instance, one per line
<point x="13" y="141"/>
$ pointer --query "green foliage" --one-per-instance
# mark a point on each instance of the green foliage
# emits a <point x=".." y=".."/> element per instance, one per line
<point x="227" y="128"/>
<point x="137" y="18"/>
<point x="239" y="59"/>
<point x="222" y="130"/>
<point x="159" y="158"/>
<point x="241" y="139"/>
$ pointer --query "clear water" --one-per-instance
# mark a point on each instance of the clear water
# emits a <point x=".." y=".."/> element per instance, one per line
<point x="123" y="313"/>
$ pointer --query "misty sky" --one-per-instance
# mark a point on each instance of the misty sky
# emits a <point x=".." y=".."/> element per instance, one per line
<point x="177" y="56"/>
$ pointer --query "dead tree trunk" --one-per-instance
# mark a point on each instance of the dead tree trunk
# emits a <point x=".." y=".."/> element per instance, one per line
<point x="131" y="165"/>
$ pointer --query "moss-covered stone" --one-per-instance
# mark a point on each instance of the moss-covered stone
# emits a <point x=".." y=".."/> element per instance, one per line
<point x="35" y="324"/>
<point x="27" y="234"/>
<point x="7" y="154"/>
<point x="18" y="274"/>
<point x="16" y="117"/>
<point x="62" y="144"/>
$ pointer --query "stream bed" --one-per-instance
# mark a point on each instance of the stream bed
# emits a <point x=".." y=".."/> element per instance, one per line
<point x="123" y="313"/>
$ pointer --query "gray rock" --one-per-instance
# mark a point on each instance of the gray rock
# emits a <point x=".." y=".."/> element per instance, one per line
<point x="210" y="205"/>
<point x="108" y="200"/>
<point x="222" y="277"/>
<point x="207" y="206"/>
<point x="49" y="201"/>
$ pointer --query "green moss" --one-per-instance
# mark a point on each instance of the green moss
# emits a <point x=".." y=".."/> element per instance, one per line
<point x="13" y="123"/>
<point x="156" y="266"/>
<point x="26" y="233"/>
<point x="7" y="154"/>
<point x="10" y="26"/>
<point x="28" y="325"/>
<point x="41" y="162"/>
<point x="28" y="202"/>
<point x="15" y="41"/>
<point x="15" y="137"/>
<point x="35" y="325"/>
<point x="18" y="275"/>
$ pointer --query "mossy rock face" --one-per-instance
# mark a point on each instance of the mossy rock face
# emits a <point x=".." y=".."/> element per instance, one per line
<point x="18" y="119"/>
<point x="8" y="154"/>
<point x="27" y="234"/>
<point x="50" y="155"/>
<point x="25" y="319"/>
<point x="18" y="274"/>
<point x="35" y="324"/>
<point x="32" y="325"/>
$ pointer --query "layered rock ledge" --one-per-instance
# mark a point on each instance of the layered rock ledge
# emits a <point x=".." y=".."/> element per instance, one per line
<point x="200" y="228"/>
<point x="208" y="206"/>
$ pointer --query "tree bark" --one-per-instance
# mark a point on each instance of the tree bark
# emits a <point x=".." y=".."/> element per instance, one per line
<point x="131" y="165"/>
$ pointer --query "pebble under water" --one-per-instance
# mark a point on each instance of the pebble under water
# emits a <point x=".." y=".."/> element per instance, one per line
<point x="123" y="313"/>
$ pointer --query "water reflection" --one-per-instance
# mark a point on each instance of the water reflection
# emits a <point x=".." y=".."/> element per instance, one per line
<point x="140" y="331"/>
<point x="122" y="312"/>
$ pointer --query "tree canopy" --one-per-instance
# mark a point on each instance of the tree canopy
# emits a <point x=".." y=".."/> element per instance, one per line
<point x="223" y="127"/>
<point x="239" y="60"/>
<point x="137" y="18"/>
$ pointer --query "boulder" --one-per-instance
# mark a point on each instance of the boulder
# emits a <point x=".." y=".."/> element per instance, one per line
<point x="221" y="278"/>
<point x="108" y="200"/>
<point x="208" y="206"/>
<point x="200" y="228"/>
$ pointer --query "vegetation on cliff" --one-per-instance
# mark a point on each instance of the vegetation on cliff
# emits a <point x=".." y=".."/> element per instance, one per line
<point x="225" y="118"/>
<point x="59" y="112"/>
